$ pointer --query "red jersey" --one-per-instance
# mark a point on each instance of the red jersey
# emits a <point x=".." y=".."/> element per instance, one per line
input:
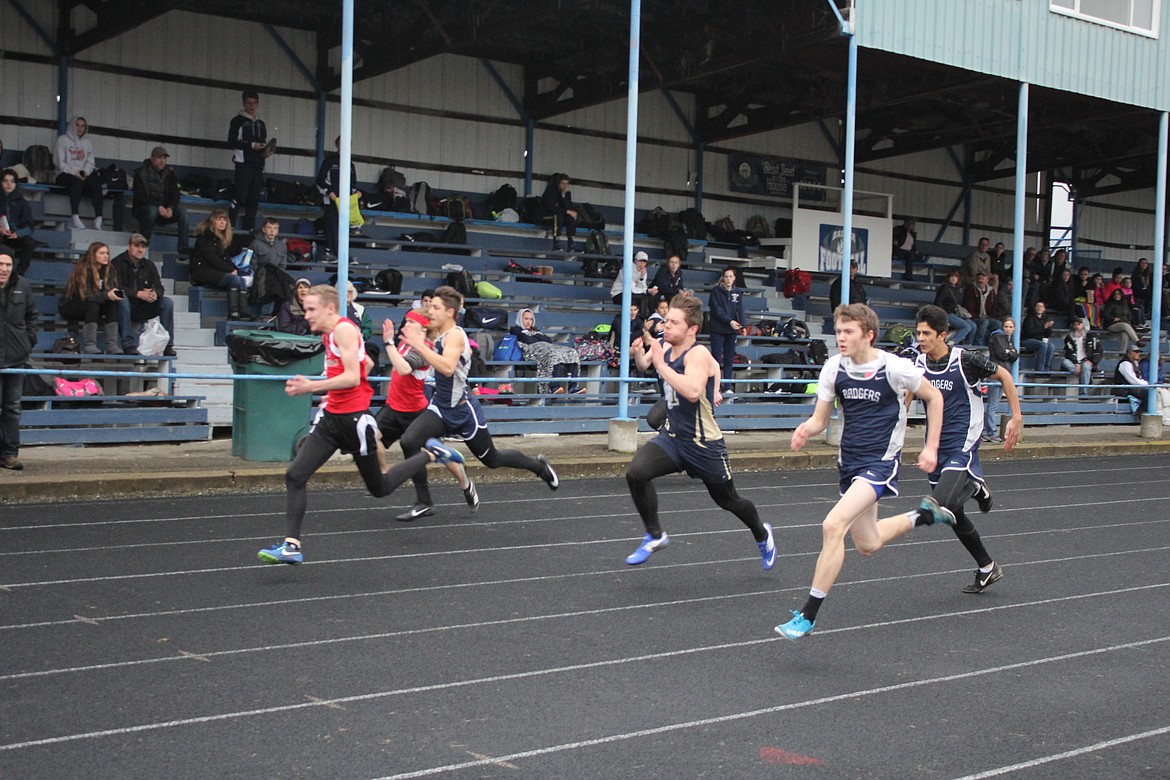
<point x="351" y="399"/>
<point x="406" y="392"/>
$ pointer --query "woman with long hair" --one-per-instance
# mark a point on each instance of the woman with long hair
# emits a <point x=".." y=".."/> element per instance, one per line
<point x="92" y="296"/>
<point x="211" y="262"/>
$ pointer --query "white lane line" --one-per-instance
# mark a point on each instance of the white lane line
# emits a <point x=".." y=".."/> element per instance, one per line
<point x="204" y="656"/>
<point x="562" y="497"/>
<point x="1003" y="770"/>
<point x="550" y="578"/>
<point x="495" y="679"/>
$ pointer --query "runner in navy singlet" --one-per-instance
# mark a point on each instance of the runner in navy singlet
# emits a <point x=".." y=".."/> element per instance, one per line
<point x="871" y="388"/>
<point x="690" y="439"/>
<point x="957" y="477"/>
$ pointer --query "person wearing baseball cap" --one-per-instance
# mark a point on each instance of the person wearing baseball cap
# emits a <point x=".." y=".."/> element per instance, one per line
<point x="156" y="197"/>
<point x="143" y="296"/>
<point x="638" y="285"/>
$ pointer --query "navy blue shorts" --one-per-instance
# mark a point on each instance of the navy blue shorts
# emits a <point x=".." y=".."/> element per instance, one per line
<point x="463" y="420"/>
<point x="958" y="461"/>
<point x="882" y="475"/>
<point x="708" y="461"/>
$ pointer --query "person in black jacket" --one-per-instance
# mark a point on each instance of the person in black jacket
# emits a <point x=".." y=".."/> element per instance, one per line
<point x="144" y="297"/>
<point x="156" y="197"/>
<point x="91" y="297"/>
<point x="1082" y="352"/>
<point x="328" y="183"/>
<point x="856" y="289"/>
<point x="248" y="138"/>
<point x="725" y="318"/>
<point x="16" y="222"/>
<point x="211" y="263"/>
<point x="667" y="281"/>
<point x="18" y="335"/>
<point x="1003" y="351"/>
<point x="558" y="211"/>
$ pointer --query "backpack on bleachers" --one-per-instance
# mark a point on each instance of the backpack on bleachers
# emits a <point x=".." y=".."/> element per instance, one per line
<point x="818" y="352"/>
<point x="794" y="329"/>
<point x="508" y="349"/>
<point x="693" y="224"/>
<point x="656" y="223"/>
<point x="389" y="280"/>
<point x="457" y="207"/>
<point x="193" y="183"/>
<point x="589" y="217"/>
<point x="292" y="193"/>
<point x="503" y="198"/>
<point x="390" y="180"/>
<point x="39" y="161"/>
<point x="797" y="282"/>
<point x="529" y="209"/>
<point x="456" y="233"/>
<point x="419" y="197"/>
<point x="483" y="317"/>
<point x="675" y="243"/>
<point x="758" y="226"/>
<point x="488" y="290"/>
<point x="596" y="243"/>
<point x="900" y="335"/>
<point x="462" y="281"/>
<point x="218" y="189"/>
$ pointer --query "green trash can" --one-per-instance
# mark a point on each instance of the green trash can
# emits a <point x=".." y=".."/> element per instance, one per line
<point x="266" y="423"/>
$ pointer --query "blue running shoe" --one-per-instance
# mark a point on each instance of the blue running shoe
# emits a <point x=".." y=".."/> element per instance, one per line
<point x="284" y="552"/>
<point x="442" y="453"/>
<point x="649" y="545"/>
<point x="936" y="511"/>
<point x="796" y="628"/>
<point x="768" y="549"/>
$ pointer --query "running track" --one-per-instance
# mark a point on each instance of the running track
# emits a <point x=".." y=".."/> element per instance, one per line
<point x="141" y="639"/>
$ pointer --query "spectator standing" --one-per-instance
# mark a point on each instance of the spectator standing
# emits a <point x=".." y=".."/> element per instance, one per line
<point x="291" y="316"/>
<point x="75" y="163"/>
<point x="92" y="297"/>
<point x="144" y="297"/>
<point x="248" y="138"/>
<point x="328" y="183"/>
<point x="979" y="260"/>
<point x="16" y="222"/>
<point x="211" y="262"/>
<point x="857" y="292"/>
<point x="906" y="248"/>
<point x="18" y="335"/>
<point x="1082" y="352"/>
<point x="639" y="283"/>
<point x="156" y="197"/>
<point x="725" y="318"/>
<point x="949" y="298"/>
<point x="558" y="210"/>
<point x="979" y="300"/>
<point x="1037" y="332"/>
<point x="1003" y="351"/>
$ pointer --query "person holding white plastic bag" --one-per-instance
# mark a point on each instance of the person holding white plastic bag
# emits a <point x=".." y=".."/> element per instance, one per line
<point x="144" y="298"/>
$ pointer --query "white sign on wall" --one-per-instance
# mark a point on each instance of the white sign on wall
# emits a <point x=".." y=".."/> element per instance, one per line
<point x="818" y="231"/>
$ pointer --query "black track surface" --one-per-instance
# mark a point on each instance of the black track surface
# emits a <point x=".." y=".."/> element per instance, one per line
<point x="142" y="639"/>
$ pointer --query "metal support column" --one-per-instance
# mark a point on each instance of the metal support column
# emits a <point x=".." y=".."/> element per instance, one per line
<point x="1160" y="174"/>
<point x="1018" y="230"/>
<point x="631" y="185"/>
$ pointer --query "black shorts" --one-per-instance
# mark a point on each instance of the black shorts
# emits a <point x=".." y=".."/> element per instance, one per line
<point x="393" y="423"/>
<point x="354" y="433"/>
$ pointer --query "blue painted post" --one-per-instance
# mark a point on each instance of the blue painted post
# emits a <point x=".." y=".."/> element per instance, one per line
<point x="1159" y="253"/>
<point x="344" y="184"/>
<point x="628" y="221"/>
<point x="850" y="144"/>
<point x="1018" y="230"/>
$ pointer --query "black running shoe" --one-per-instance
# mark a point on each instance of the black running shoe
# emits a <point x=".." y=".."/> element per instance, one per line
<point x="984" y="581"/>
<point x="983" y="498"/>
<point x="471" y="496"/>
<point x="415" y="512"/>
<point x="549" y="475"/>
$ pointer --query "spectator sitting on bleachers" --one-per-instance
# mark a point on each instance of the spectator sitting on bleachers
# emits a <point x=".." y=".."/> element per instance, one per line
<point x="725" y="317"/>
<point x="1036" y="335"/>
<point x="358" y="314"/>
<point x="999" y="264"/>
<point x="1095" y="292"/>
<point x="557" y="210"/>
<point x="1030" y="261"/>
<point x="143" y="298"/>
<point x="1059" y="264"/>
<point x="1001" y="350"/>
<point x="1041" y="266"/>
<point x="211" y="262"/>
<point x="1033" y="289"/>
<point x="638" y="283"/>
<point x="268" y="248"/>
<point x="1114" y="283"/>
<point x="74" y="160"/>
<point x="656" y="322"/>
<point x="979" y="260"/>
<point x="1139" y="315"/>
<point x="1117" y="317"/>
<point x="1082" y="352"/>
<point x="1142" y="283"/>
<point x="1082" y="284"/>
<point x="16" y="222"/>
<point x="328" y="183"/>
<point x="979" y="301"/>
<point x="1128" y="377"/>
<point x="1002" y="309"/>
<point x="668" y="280"/>
<point x="291" y="317"/>
<point x="553" y="360"/>
<point x="949" y="297"/>
<point x="1059" y="296"/>
<point x="91" y="297"/>
<point x="856" y="288"/>
<point x="156" y="197"/>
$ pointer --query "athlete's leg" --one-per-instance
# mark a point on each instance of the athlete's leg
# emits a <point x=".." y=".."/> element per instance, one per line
<point x="952" y="491"/>
<point x="393" y="426"/>
<point x="481" y="447"/>
<point x="727" y="498"/>
<point x="859" y="504"/>
<point x="312" y="455"/>
<point x="648" y="463"/>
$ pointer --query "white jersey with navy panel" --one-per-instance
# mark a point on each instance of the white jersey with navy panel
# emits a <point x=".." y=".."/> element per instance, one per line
<point x="872" y="397"/>
<point x="957" y="376"/>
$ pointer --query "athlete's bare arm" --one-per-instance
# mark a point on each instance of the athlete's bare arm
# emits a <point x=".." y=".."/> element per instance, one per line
<point x="347" y="337"/>
<point x="813" y="425"/>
